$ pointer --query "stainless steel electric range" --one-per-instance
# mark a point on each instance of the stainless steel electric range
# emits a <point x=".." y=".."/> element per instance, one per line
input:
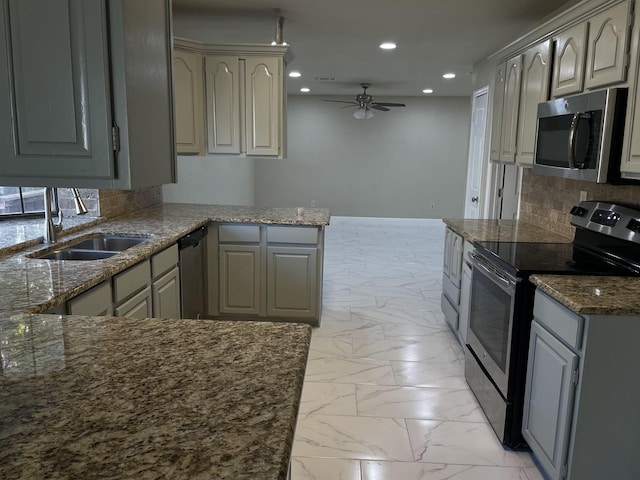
<point x="606" y="242"/>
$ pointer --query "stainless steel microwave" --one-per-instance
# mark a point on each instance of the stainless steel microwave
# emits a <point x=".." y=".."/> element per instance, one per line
<point x="580" y="137"/>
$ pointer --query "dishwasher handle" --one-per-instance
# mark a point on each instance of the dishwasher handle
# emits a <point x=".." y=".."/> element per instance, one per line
<point x="192" y="239"/>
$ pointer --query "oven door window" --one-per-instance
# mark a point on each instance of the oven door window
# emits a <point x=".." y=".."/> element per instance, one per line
<point x="490" y="319"/>
<point x="552" y="147"/>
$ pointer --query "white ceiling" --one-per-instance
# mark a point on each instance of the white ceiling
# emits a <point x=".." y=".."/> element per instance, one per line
<point x="340" y="38"/>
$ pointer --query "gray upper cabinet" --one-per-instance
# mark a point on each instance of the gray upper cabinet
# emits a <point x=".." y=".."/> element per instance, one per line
<point x="86" y="93"/>
<point x="568" y="61"/>
<point x="497" y="103"/>
<point x="535" y="89"/>
<point x="510" y="107"/>
<point x="607" y="47"/>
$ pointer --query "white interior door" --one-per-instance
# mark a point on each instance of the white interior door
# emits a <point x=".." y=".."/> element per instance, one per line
<point x="474" y="197"/>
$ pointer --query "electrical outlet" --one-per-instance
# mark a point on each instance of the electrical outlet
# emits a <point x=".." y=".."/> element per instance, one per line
<point x="583" y="195"/>
<point x="313" y="203"/>
<point x="433" y="206"/>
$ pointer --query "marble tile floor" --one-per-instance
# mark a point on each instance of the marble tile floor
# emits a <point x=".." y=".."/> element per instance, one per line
<point x="384" y="396"/>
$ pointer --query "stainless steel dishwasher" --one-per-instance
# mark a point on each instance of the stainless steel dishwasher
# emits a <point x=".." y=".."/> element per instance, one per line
<point x="192" y="274"/>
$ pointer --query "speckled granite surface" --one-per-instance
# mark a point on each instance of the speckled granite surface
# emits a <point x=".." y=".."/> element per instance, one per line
<point x="16" y="234"/>
<point x="593" y="295"/>
<point x="101" y="397"/>
<point x="37" y="285"/>
<point x="504" y="231"/>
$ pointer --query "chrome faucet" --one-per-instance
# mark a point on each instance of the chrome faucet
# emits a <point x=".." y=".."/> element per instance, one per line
<point x="51" y="229"/>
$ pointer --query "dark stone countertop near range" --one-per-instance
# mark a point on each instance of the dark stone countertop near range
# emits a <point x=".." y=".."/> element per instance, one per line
<point x="38" y="285"/>
<point x="110" y="398"/>
<point x="503" y="231"/>
<point x="592" y="295"/>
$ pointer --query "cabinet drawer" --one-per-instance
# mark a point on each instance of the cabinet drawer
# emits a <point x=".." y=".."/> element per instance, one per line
<point x="164" y="261"/>
<point x="565" y="324"/>
<point x="239" y="233"/>
<point x="304" y="235"/>
<point x="451" y="290"/>
<point x="131" y="281"/>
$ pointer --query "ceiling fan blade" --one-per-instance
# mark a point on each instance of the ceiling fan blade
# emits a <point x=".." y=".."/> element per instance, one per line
<point x="339" y="101"/>
<point x="387" y="104"/>
<point x="377" y="106"/>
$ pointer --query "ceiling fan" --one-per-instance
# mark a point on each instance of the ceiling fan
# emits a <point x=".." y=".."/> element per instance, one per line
<point x="365" y="104"/>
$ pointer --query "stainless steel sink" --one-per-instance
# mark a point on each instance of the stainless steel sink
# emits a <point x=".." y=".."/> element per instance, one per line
<point x="95" y="247"/>
<point x="73" y="254"/>
<point x="112" y="243"/>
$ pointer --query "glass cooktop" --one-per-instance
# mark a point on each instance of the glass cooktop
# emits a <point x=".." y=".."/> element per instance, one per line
<point x="524" y="258"/>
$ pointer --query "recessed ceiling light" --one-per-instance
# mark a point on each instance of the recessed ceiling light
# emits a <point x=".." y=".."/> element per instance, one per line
<point x="449" y="75"/>
<point x="305" y="89"/>
<point x="388" y="46"/>
<point x="427" y="90"/>
<point x="295" y="74"/>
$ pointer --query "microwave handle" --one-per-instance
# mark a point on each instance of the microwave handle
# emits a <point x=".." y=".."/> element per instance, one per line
<point x="572" y="140"/>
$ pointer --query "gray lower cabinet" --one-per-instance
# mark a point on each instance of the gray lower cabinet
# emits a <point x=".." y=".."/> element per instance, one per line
<point x="86" y="95"/>
<point x="138" y="306"/>
<point x="240" y="279"/>
<point x="581" y="416"/>
<point x="166" y="295"/>
<point x="268" y="271"/>
<point x="94" y="302"/>
<point x="132" y="292"/>
<point x="291" y="282"/>
<point x="151" y="288"/>
<point x="165" y="286"/>
<point x="549" y="397"/>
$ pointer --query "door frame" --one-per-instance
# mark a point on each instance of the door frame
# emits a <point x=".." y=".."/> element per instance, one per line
<point x="485" y="150"/>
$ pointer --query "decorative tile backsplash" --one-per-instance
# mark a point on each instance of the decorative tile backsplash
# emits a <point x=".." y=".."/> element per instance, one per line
<point x="114" y="203"/>
<point x="109" y="203"/>
<point x="546" y="201"/>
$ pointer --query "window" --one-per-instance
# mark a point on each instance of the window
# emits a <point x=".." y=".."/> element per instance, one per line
<point x="24" y="201"/>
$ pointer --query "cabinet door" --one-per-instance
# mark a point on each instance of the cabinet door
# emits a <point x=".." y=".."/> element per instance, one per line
<point x="568" y="61"/>
<point x="189" y="108"/>
<point x="534" y="89"/>
<point x="455" y="265"/>
<point x="239" y="279"/>
<point x="549" y="397"/>
<point x="510" y="110"/>
<point x="607" y="47"/>
<point x="263" y="105"/>
<point x="498" y="104"/>
<point x="291" y="282"/>
<point x="166" y="295"/>
<point x="222" y="80"/>
<point x="94" y="302"/>
<point x="465" y="305"/>
<point x="138" y="306"/>
<point x="55" y="100"/>
<point x="446" y="263"/>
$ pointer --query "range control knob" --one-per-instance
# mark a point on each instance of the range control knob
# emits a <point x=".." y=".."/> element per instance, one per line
<point x="578" y="211"/>
<point x="634" y="226"/>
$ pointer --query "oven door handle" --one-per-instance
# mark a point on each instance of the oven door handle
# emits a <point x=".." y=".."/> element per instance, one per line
<point x="507" y="283"/>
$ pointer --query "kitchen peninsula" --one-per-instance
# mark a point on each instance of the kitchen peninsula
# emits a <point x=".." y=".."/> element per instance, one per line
<point x="107" y="397"/>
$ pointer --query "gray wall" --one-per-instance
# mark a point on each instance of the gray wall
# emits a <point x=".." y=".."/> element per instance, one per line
<point x="394" y="165"/>
<point x="222" y="180"/>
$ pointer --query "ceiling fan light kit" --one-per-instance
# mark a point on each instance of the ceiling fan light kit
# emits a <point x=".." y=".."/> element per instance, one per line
<point x="365" y="104"/>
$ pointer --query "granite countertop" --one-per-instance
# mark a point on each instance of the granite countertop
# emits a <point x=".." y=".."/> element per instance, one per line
<point x="593" y="295"/>
<point x="38" y="285"/>
<point x="503" y="231"/>
<point x="103" y="397"/>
